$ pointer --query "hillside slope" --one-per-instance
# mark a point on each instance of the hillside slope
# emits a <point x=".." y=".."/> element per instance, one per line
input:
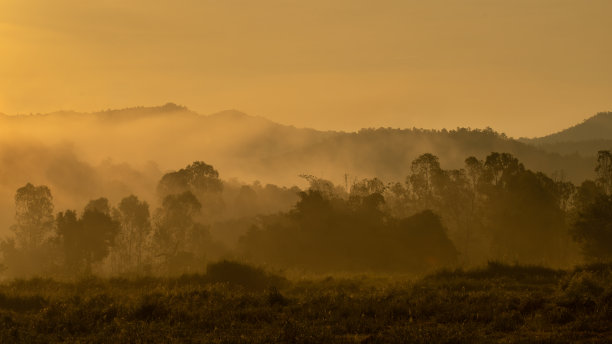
<point x="586" y="138"/>
<point x="114" y="153"/>
<point x="249" y="147"/>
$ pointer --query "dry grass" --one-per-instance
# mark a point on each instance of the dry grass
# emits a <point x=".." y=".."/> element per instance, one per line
<point x="498" y="303"/>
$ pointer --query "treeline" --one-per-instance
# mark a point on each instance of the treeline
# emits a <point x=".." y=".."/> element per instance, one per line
<point x="329" y="233"/>
<point x="490" y="209"/>
<point x="130" y="237"/>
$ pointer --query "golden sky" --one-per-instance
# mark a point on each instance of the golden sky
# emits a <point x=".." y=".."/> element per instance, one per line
<point x="524" y="67"/>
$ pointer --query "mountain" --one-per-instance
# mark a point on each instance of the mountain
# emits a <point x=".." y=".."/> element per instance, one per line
<point x="254" y="148"/>
<point x="114" y="153"/>
<point x="586" y="138"/>
<point x="598" y="127"/>
<point x="128" y="114"/>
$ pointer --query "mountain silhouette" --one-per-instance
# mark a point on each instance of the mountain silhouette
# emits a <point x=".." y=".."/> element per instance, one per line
<point x="254" y="148"/>
<point x="586" y="138"/>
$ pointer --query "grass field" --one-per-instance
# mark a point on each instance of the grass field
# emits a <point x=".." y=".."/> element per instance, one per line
<point x="238" y="304"/>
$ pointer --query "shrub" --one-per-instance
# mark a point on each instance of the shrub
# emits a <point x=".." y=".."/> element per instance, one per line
<point x="275" y="297"/>
<point x="244" y="275"/>
<point x="21" y="303"/>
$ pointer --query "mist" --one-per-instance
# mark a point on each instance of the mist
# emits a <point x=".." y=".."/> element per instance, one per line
<point x="114" y="153"/>
<point x="230" y="185"/>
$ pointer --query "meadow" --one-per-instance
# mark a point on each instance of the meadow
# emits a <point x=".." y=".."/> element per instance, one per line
<point x="237" y="303"/>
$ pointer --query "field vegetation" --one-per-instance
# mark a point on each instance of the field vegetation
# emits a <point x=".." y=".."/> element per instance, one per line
<point x="238" y="303"/>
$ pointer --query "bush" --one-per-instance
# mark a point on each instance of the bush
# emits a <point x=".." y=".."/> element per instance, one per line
<point x="532" y="274"/>
<point x="21" y="303"/>
<point x="276" y="298"/>
<point x="150" y="308"/>
<point x="244" y="275"/>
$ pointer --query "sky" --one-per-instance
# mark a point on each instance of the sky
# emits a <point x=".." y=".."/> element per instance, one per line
<point x="523" y="67"/>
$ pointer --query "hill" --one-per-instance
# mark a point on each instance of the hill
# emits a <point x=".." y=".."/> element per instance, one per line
<point x="598" y="127"/>
<point x="250" y="147"/>
<point x="115" y="153"/>
<point x="586" y="138"/>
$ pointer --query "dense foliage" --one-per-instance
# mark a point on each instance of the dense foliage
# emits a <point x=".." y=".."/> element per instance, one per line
<point x="493" y="208"/>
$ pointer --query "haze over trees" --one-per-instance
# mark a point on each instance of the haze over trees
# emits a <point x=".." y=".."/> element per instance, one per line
<point x="491" y="209"/>
<point x="87" y="239"/>
<point x="389" y="200"/>
<point x="114" y="153"/>
<point x="593" y="225"/>
<point x="28" y="251"/>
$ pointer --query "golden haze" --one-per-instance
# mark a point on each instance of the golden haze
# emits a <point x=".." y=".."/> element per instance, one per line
<point x="523" y="67"/>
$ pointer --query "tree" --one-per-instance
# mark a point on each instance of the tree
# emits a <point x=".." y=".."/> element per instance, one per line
<point x="70" y="231"/>
<point x="367" y="201"/>
<point x="474" y="170"/>
<point x="593" y="229"/>
<point x="501" y="166"/>
<point x="33" y="216"/>
<point x="199" y="178"/>
<point x="99" y="205"/>
<point x="324" y="187"/>
<point x="87" y="240"/>
<point x="587" y="193"/>
<point x="99" y="232"/>
<point x="524" y="218"/>
<point x="565" y="191"/>
<point x="604" y="171"/>
<point x="425" y="174"/>
<point x="179" y="239"/>
<point x="397" y="200"/>
<point x="424" y="242"/>
<point x="367" y="187"/>
<point x="130" y="244"/>
<point x="246" y="201"/>
<point x="30" y="251"/>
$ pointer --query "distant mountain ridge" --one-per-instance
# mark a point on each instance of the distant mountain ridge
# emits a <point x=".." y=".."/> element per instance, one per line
<point x="251" y="147"/>
<point x="598" y="127"/>
<point x="586" y="138"/>
<point x="146" y="112"/>
<point x="115" y="114"/>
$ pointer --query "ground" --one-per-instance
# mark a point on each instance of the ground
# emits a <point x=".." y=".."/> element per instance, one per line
<point x="494" y="304"/>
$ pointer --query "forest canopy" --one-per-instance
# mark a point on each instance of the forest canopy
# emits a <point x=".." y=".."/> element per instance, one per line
<point x="491" y="209"/>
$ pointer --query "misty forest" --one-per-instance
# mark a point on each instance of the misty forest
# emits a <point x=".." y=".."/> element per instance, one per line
<point x="395" y="240"/>
<point x="305" y="172"/>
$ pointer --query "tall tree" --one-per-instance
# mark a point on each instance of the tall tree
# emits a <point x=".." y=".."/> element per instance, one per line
<point x="593" y="229"/>
<point x="179" y="239"/>
<point x="30" y="251"/>
<point x="131" y="242"/>
<point x="501" y="166"/>
<point x="202" y="180"/>
<point x="604" y="171"/>
<point x="87" y="240"/>
<point x="474" y="170"/>
<point x="425" y="173"/>
<point x="33" y="216"/>
<point x="70" y="231"/>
